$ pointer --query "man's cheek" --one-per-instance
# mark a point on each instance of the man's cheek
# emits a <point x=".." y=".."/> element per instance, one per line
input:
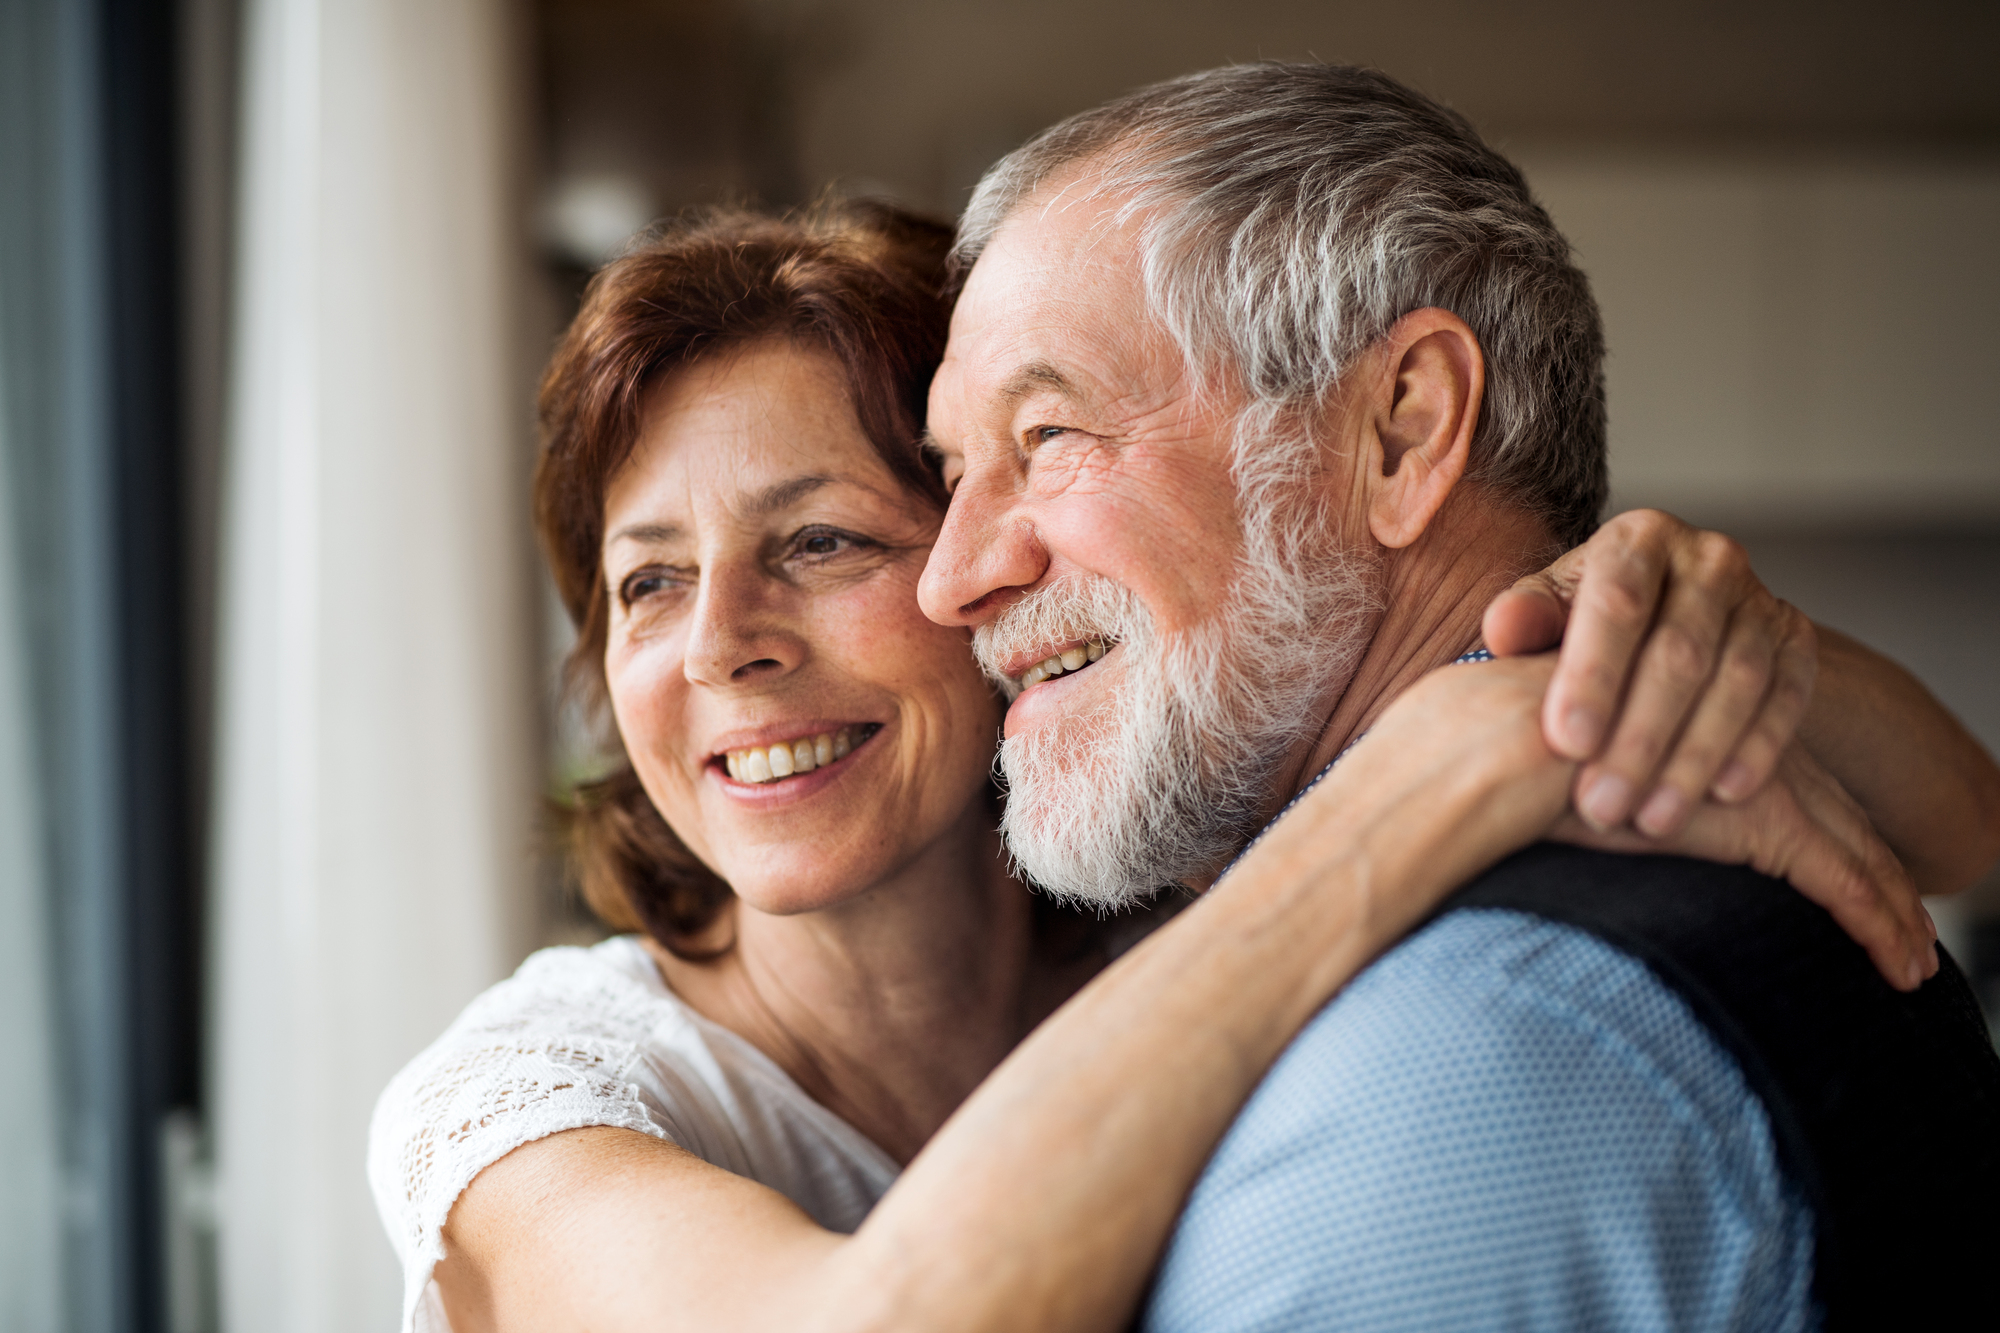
<point x="1077" y="470"/>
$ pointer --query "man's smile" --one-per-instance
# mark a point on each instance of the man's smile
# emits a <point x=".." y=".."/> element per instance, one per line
<point x="1058" y="661"/>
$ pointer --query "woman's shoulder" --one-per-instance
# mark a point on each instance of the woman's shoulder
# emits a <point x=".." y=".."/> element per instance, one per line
<point x="552" y="1048"/>
<point x="615" y="977"/>
<point x="593" y="1037"/>
<point x="574" y="1033"/>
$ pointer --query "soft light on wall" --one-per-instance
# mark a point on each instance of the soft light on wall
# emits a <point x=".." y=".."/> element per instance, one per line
<point x="376" y="766"/>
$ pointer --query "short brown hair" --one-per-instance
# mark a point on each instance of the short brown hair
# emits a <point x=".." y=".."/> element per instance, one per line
<point x="861" y="281"/>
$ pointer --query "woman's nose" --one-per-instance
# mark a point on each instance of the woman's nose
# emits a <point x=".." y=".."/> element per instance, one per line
<point x="737" y="633"/>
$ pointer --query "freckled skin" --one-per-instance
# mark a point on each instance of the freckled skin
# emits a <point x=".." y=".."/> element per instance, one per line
<point x="723" y="618"/>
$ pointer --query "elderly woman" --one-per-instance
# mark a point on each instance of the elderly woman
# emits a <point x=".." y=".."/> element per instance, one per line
<point x="802" y="1091"/>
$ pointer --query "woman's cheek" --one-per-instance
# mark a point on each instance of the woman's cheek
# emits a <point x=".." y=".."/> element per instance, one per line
<point x="647" y="697"/>
<point x="881" y="615"/>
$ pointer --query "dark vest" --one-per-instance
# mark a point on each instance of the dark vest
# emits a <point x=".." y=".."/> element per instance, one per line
<point x="1885" y="1105"/>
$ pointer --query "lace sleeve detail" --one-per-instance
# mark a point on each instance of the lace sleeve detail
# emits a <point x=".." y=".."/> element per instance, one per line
<point x="551" y="1048"/>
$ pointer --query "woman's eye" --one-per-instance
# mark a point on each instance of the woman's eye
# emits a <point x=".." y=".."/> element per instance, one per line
<point x="643" y="584"/>
<point x="824" y="543"/>
<point x="1043" y="434"/>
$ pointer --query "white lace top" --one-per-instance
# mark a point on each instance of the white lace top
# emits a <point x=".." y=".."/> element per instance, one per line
<point x="593" y="1037"/>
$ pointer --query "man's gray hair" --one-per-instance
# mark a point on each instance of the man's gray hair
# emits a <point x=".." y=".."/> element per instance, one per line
<point x="1292" y="213"/>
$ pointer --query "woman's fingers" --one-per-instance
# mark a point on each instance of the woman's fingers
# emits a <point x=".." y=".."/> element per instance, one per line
<point x="1793" y="676"/>
<point x="1804" y="829"/>
<point x="1866" y="895"/>
<point x="1674" y="673"/>
<point x="1680" y="676"/>
<point x="1737" y="695"/>
<point x="1614" y="582"/>
<point x="1873" y="881"/>
<point x="1528" y="618"/>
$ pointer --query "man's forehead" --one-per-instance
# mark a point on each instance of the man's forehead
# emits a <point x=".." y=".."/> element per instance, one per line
<point x="1033" y="377"/>
<point x="1092" y="365"/>
<point x="1054" y="304"/>
<point x="1051" y="243"/>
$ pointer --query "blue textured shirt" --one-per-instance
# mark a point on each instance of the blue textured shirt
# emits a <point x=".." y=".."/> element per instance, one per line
<point x="1504" y="1123"/>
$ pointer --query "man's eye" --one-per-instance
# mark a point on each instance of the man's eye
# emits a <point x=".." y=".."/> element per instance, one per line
<point x="820" y="544"/>
<point x="1043" y="434"/>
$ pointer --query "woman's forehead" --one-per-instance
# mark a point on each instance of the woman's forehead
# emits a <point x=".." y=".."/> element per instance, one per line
<point x="767" y="393"/>
<point x="746" y="422"/>
<point x="764" y="431"/>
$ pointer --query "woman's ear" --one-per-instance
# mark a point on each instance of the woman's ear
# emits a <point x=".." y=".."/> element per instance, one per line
<point x="1426" y="411"/>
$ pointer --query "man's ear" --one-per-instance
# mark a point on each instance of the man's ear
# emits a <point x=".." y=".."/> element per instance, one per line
<point x="1431" y="381"/>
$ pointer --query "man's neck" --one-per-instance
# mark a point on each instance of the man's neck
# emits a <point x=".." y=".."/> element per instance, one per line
<point x="1435" y="592"/>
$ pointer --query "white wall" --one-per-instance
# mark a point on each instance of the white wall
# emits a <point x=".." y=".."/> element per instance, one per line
<point x="376" y="765"/>
<point x="1810" y="338"/>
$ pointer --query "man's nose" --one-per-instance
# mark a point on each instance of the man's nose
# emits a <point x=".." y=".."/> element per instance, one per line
<point x="986" y="554"/>
<point x="735" y="634"/>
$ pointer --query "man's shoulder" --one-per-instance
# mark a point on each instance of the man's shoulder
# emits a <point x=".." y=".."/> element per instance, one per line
<point x="1503" y="1109"/>
<point x="1488" y="1013"/>
<point x="1843" y="1063"/>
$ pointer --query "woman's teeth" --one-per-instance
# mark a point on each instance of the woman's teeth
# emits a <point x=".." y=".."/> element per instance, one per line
<point x="1069" y="660"/>
<point x="768" y="763"/>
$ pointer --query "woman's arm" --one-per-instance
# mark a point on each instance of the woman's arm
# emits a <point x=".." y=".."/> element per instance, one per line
<point x="1683" y="678"/>
<point x="1932" y="791"/>
<point x="1045" y="1200"/>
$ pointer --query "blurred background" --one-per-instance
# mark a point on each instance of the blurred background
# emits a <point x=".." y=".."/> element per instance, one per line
<point x="276" y="659"/>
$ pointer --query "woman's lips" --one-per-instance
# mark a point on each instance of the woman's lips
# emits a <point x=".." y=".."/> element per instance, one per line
<point x="760" y="765"/>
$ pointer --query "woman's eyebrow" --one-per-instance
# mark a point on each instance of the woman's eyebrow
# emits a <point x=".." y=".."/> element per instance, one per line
<point x="772" y="498"/>
<point x="651" y="534"/>
<point x="783" y="494"/>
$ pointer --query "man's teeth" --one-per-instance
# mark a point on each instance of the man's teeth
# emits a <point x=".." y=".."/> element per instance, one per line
<point x="768" y="763"/>
<point x="1068" y="660"/>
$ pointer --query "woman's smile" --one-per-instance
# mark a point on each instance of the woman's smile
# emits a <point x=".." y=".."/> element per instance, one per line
<point x="765" y="651"/>
<point x="808" y="750"/>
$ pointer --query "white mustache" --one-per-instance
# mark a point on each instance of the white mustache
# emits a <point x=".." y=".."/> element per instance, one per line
<point x="1079" y="606"/>
<point x="1165" y="779"/>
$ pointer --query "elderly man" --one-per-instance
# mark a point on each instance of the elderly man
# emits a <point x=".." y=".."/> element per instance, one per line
<point x="1275" y="377"/>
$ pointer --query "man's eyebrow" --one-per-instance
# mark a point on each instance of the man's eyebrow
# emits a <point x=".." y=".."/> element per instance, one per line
<point x="1033" y="376"/>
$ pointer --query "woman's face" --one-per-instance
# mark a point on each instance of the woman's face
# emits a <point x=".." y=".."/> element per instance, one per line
<point x="762" y="566"/>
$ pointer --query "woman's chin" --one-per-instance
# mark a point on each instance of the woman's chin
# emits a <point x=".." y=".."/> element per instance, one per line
<point x="796" y="890"/>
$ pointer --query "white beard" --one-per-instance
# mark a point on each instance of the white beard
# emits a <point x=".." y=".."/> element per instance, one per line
<point x="1170" y="780"/>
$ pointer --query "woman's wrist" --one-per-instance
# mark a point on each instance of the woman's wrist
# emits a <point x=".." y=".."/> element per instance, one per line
<point x="1453" y="775"/>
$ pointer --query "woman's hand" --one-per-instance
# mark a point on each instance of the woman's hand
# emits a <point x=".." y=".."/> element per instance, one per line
<point x="1802" y="827"/>
<point x="1682" y="679"/>
<point x="1681" y="676"/>
<point x="1482" y="725"/>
